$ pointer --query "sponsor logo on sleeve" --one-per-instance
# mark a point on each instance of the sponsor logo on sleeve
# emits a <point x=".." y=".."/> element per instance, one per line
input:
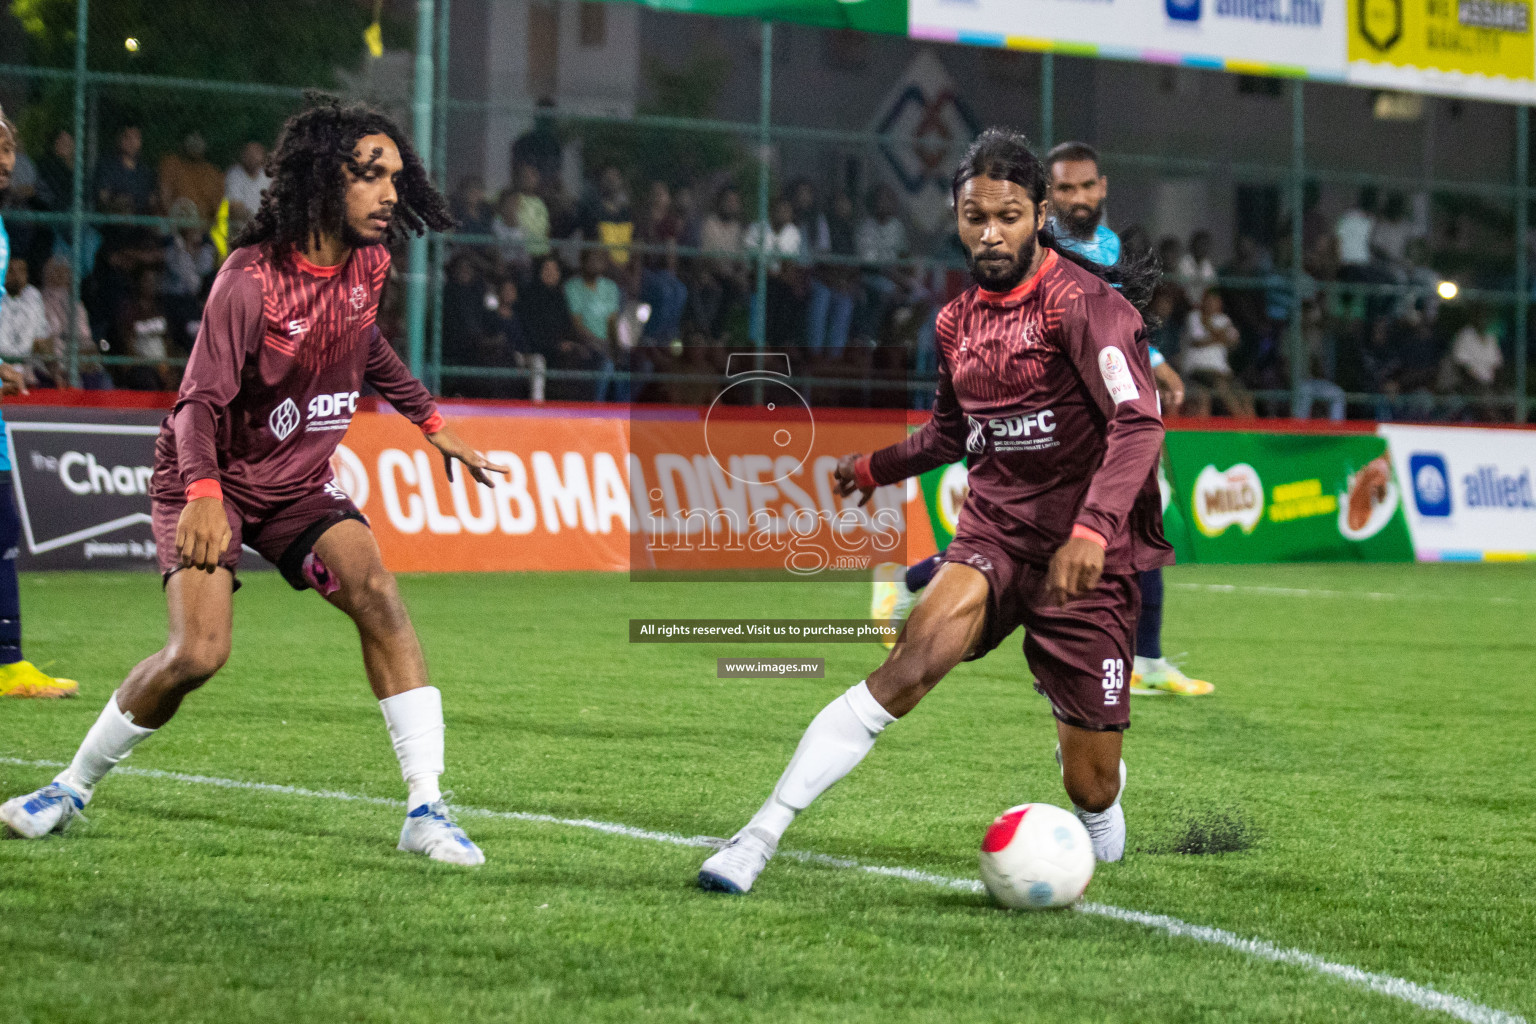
<point x="1431" y="484"/>
<point x="1117" y="375"/>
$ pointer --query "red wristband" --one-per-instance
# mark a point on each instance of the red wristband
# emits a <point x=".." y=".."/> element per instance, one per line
<point x="861" y="474"/>
<point x="434" y="423"/>
<point x="208" y="487"/>
<point x="1081" y="531"/>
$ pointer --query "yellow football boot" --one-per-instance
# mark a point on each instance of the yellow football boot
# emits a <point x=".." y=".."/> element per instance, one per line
<point x="24" y="679"/>
<point x="1156" y="675"/>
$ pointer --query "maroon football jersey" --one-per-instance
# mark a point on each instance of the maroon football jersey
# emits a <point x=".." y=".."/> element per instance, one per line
<point x="274" y="377"/>
<point x="1047" y="392"/>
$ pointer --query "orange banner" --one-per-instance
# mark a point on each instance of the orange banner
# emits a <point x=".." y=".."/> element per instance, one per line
<point x="578" y="496"/>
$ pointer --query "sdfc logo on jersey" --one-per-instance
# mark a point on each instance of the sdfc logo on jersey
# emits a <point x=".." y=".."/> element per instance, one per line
<point x="358" y="297"/>
<point x="298" y="328"/>
<point x="284" y="419"/>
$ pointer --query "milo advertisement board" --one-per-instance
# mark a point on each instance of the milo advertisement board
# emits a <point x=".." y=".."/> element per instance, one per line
<point x="1252" y="497"/>
<point x="1249" y="497"/>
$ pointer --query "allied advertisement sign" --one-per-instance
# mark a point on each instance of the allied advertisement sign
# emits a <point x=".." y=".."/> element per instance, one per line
<point x="1475" y="48"/>
<point x="1284" y="37"/>
<point x="1250" y="497"/>
<point x="1471" y="493"/>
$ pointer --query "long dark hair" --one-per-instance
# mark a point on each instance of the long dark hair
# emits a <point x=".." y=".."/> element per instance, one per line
<point x="309" y="179"/>
<point x="1004" y="155"/>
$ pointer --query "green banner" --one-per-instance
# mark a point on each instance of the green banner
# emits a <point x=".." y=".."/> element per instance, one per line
<point x="1285" y="498"/>
<point x="1237" y="497"/>
<point x="864" y="15"/>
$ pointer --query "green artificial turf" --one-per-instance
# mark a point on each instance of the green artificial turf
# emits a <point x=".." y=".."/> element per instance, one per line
<point x="1375" y="754"/>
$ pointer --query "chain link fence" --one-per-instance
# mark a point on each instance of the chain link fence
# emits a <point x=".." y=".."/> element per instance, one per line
<point x="641" y="193"/>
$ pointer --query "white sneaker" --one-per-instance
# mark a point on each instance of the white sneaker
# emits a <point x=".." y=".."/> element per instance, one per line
<point x="49" y="809"/>
<point x="430" y="830"/>
<point x="738" y="863"/>
<point x="1107" y="827"/>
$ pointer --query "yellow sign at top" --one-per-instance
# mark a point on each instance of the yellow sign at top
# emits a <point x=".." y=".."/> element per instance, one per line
<point x="1478" y="37"/>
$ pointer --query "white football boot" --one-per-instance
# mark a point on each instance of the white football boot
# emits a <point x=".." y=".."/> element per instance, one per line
<point x="49" y="809"/>
<point x="430" y="829"/>
<point x="1107" y="827"/>
<point x="738" y="863"/>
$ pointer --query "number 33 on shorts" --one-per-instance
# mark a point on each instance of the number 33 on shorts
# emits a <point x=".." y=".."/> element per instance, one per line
<point x="1114" y="680"/>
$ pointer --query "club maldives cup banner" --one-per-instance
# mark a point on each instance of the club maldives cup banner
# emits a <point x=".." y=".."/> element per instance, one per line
<point x="1254" y="497"/>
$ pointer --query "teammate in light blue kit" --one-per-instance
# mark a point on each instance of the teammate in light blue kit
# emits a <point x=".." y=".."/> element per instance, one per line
<point x="18" y="677"/>
<point x="1078" y="189"/>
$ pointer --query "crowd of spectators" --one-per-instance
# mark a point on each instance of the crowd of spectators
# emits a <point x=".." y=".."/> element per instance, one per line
<point x="1373" y="322"/>
<point x="144" y="287"/>
<point x="626" y="290"/>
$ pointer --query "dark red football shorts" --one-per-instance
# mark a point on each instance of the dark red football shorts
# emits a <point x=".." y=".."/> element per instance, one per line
<point x="284" y="537"/>
<point x="1081" y="655"/>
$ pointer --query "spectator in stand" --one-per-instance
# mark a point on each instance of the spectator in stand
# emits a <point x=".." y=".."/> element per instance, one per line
<point x="532" y="214"/>
<point x="882" y="241"/>
<point x="1318" y="385"/>
<point x="143" y="322"/>
<point x="25" y="338"/>
<point x="545" y="316"/>
<point x="661" y="287"/>
<point x="512" y="244"/>
<point x="1391" y="234"/>
<point x="1208" y="336"/>
<point x="469" y="206"/>
<point x="125" y="251"/>
<point x="1476" y="357"/>
<point x="1165" y="323"/>
<point x="245" y="180"/>
<point x="1353" y="232"/>
<point x="508" y="342"/>
<point x="190" y="261"/>
<point x="609" y="219"/>
<point x="540" y="146"/>
<point x="56" y="171"/>
<point x="829" y="304"/>
<point x="56" y="304"/>
<point x="189" y="175"/>
<point x="124" y="173"/>
<point x="780" y="237"/>
<point x="463" y="315"/>
<point x="722" y="281"/>
<point x="1247" y="305"/>
<point x="595" y="300"/>
<point x="1197" y="273"/>
<point x="685" y="205"/>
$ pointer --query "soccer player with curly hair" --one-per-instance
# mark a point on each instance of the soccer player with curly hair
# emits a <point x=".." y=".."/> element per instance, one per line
<point x="288" y="339"/>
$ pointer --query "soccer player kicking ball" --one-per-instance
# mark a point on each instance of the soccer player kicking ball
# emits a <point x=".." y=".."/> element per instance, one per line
<point x="288" y="339"/>
<point x="1044" y="381"/>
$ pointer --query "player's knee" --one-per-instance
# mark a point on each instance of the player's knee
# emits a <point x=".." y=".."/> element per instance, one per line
<point x="1093" y="789"/>
<point x="190" y="664"/>
<point x="376" y="600"/>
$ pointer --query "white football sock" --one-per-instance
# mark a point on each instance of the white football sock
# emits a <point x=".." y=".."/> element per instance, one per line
<point x="109" y="741"/>
<point x="1107" y="827"/>
<point x="415" y="721"/>
<point x="836" y="740"/>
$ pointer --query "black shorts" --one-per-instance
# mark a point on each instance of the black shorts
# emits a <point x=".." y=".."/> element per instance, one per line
<point x="284" y="537"/>
<point x="1081" y="655"/>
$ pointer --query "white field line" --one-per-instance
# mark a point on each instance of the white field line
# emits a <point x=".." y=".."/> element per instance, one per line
<point x="1385" y="984"/>
<point x="1369" y="595"/>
